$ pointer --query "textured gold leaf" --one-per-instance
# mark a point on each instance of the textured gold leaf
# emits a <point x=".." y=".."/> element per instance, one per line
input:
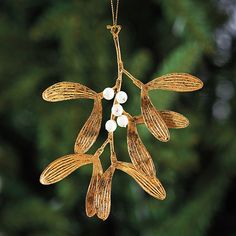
<point x="179" y="82"/>
<point x="62" y="167"/>
<point x="66" y="91"/>
<point x="90" y="131"/>
<point x="153" y="118"/>
<point x="91" y="197"/>
<point x="151" y="185"/>
<point x="104" y="194"/>
<point x="139" y="155"/>
<point x="172" y="119"/>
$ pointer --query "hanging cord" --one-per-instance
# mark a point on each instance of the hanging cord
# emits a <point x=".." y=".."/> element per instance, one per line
<point x="114" y="28"/>
<point x="115" y="12"/>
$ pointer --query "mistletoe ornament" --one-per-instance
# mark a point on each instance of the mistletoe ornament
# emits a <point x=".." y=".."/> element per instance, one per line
<point x="141" y="168"/>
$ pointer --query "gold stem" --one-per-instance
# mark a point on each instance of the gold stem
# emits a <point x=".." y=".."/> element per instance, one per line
<point x="101" y="149"/>
<point x="118" y="89"/>
<point x="118" y="53"/>
<point x="137" y="82"/>
<point x="115" y="30"/>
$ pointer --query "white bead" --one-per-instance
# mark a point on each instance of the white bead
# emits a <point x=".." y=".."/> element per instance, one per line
<point x="121" y="97"/>
<point x="108" y="93"/>
<point x="117" y="110"/>
<point x="122" y="121"/>
<point x="111" y="126"/>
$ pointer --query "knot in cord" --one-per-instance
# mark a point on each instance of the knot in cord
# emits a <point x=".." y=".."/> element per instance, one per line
<point x="114" y="29"/>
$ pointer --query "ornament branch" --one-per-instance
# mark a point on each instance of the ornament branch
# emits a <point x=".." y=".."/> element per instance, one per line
<point x="141" y="168"/>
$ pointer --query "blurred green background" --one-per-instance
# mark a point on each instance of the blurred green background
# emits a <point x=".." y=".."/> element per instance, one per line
<point x="46" y="41"/>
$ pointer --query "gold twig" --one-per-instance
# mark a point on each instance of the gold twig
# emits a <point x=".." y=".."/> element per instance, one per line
<point x="101" y="149"/>
<point x="137" y="82"/>
<point x="115" y="30"/>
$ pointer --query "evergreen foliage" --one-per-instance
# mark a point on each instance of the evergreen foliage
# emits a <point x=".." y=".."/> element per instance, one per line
<point x="44" y="42"/>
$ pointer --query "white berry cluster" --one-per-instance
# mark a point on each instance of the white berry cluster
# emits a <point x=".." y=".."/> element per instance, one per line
<point x="117" y="110"/>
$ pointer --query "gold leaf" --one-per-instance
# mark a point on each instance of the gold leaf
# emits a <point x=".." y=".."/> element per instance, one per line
<point x="151" y="185"/>
<point x="66" y="91"/>
<point x="91" y="201"/>
<point x="179" y="82"/>
<point x="90" y="130"/>
<point x="172" y="119"/>
<point x="62" y="167"/>
<point x="153" y="118"/>
<point x="104" y="194"/>
<point x="139" y="155"/>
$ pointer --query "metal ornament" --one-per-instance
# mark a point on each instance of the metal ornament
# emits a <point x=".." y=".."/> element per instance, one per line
<point x="141" y="168"/>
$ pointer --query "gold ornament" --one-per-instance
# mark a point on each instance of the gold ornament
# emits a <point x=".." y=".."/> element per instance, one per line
<point x="141" y="168"/>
